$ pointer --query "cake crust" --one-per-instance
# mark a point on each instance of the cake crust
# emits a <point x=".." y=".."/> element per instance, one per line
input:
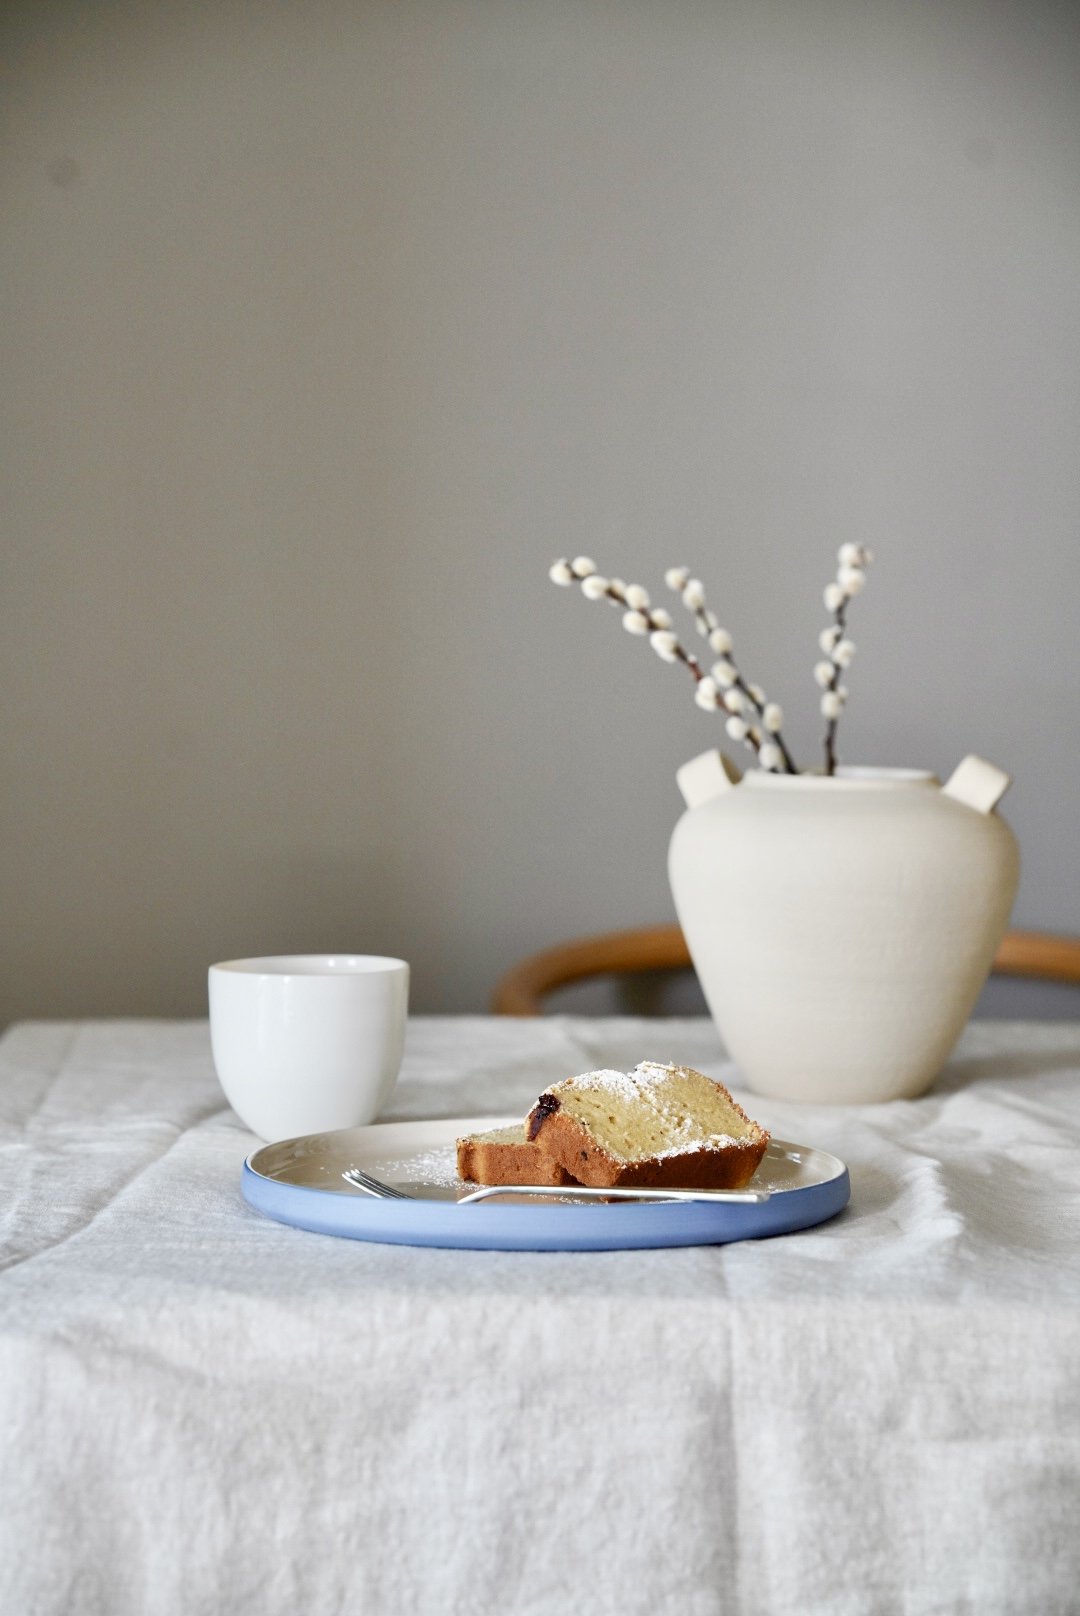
<point x="719" y="1162"/>
<point x="505" y="1156"/>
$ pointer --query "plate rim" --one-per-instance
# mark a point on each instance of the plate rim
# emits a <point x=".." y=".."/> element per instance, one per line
<point x="477" y="1124"/>
<point x="540" y="1225"/>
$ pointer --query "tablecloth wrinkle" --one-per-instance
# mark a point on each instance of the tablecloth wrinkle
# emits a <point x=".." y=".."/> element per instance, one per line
<point x="106" y="1194"/>
<point x="202" y="1410"/>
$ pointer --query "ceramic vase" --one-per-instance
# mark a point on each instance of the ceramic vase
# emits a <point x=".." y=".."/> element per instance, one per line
<point x="841" y="927"/>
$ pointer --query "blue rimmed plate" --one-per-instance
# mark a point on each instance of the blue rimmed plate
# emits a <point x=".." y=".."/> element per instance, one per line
<point x="298" y="1181"/>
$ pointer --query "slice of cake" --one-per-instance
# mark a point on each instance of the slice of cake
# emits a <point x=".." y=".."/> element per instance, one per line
<point x="663" y="1127"/>
<point x="505" y="1156"/>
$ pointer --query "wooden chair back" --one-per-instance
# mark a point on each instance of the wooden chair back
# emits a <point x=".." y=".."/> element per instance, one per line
<point x="523" y="989"/>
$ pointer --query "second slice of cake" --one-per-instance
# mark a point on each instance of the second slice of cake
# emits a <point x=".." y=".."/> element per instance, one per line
<point x="505" y="1156"/>
<point x="663" y="1127"/>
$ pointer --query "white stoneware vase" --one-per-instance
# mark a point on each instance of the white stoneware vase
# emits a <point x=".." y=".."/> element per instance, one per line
<point x="841" y="927"/>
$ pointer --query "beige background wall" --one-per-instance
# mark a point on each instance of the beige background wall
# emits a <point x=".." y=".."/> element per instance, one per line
<point x="328" y="325"/>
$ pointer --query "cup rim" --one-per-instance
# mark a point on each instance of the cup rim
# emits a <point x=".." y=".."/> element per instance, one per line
<point x="338" y="967"/>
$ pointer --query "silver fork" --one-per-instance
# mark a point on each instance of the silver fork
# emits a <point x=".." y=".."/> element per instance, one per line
<point x="575" y="1192"/>
<point x="374" y="1186"/>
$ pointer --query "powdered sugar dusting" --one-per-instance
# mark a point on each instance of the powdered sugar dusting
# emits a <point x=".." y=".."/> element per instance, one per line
<point x="646" y="1085"/>
<point x="620" y="1084"/>
<point x="701" y="1141"/>
<point x="435" y="1167"/>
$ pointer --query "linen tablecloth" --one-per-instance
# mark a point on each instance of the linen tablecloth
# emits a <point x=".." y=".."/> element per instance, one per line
<point x="203" y="1411"/>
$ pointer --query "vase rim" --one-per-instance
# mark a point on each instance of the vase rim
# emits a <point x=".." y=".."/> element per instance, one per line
<point x="849" y="776"/>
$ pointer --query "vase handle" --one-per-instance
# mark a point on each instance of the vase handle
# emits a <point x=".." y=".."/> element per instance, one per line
<point x="707" y="776"/>
<point x="977" y="784"/>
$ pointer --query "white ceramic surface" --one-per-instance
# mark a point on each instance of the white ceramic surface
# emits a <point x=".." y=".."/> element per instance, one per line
<point x="306" y="1043"/>
<point x="842" y="928"/>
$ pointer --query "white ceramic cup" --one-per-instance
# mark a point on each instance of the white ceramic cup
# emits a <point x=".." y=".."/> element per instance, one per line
<point x="306" y="1043"/>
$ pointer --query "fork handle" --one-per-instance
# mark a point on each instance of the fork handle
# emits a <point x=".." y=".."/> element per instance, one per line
<point x="578" y="1192"/>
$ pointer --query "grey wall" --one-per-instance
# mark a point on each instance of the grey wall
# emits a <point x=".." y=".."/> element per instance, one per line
<point x="329" y="325"/>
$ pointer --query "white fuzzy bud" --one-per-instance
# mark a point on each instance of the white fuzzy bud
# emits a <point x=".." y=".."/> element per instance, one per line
<point x="823" y="673"/>
<point x="561" y="573"/>
<point x="660" y="618"/>
<point x="594" y="587"/>
<point x="676" y="578"/>
<point x="828" y="637"/>
<point x="834" y="597"/>
<point x="757" y="693"/>
<point x="736" y="728"/>
<point x="665" y="644"/>
<point x="581" y="566"/>
<point x="773" y="717"/>
<point x="734" y="700"/>
<point x="770" y="756"/>
<point x="843" y="653"/>
<point x="851" y="580"/>
<point x="637" y="597"/>
<point x="706" y="694"/>
<point x="693" y="596"/>
<point x="849" y="555"/>
<point x="720" y="641"/>
<point x="831" y="704"/>
<point x="725" y="673"/>
<point x="618" y="587"/>
<point x="635" y="623"/>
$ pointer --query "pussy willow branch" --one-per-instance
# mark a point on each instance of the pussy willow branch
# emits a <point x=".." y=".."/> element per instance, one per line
<point x="840" y="617"/>
<point x="707" y="623"/>
<point x="687" y="658"/>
